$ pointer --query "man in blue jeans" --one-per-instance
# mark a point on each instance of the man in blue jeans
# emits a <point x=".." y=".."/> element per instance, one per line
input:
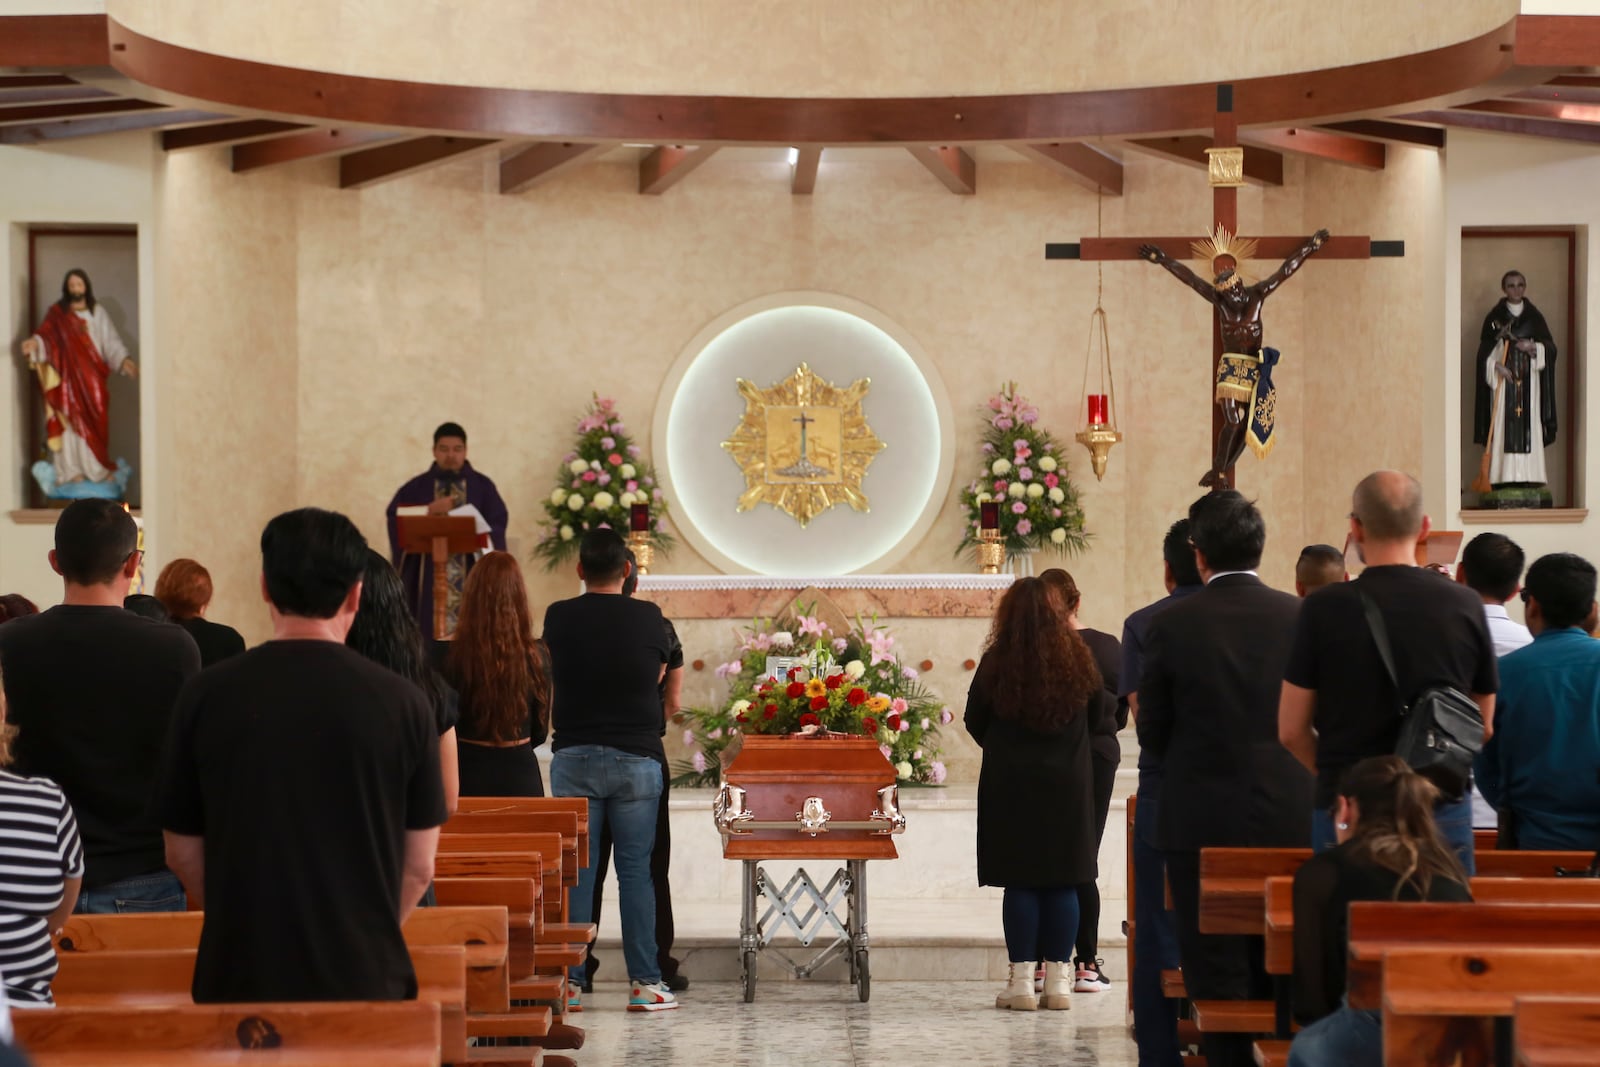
<point x="608" y="654"/>
<point x="1155" y="949"/>
<point x="1338" y="705"/>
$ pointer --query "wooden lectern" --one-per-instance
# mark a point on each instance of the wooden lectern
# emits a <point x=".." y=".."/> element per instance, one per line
<point x="438" y="536"/>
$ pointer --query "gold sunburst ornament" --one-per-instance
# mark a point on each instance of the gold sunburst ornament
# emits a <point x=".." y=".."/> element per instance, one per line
<point x="803" y="444"/>
<point x="1226" y="246"/>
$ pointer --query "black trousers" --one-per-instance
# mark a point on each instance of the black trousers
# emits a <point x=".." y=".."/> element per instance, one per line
<point x="1105" y="781"/>
<point x="1215" y="966"/>
<point x="660" y="863"/>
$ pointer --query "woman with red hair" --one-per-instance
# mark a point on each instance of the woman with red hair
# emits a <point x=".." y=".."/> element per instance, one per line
<point x="503" y="676"/>
<point x="184" y="589"/>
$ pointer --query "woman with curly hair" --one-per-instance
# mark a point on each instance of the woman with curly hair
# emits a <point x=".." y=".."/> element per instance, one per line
<point x="386" y="632"/>
<point x="503" y="676"/>
<point x="1033" y="704"/>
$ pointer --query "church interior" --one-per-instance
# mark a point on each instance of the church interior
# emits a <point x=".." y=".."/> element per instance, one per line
<point x="325" y="229"/>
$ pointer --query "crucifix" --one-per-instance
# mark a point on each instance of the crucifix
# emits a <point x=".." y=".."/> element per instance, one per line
<point x="1245" y="402"/>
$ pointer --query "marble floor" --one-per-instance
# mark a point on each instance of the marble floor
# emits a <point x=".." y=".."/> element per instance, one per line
<point x="822" y="1024"/>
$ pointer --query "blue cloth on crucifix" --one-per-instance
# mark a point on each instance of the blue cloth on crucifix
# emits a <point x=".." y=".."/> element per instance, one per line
<point x="1263" y="407"/>
<point x="463" y="487"/>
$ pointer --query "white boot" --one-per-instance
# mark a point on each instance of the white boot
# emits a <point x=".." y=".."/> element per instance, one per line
<point x="1058" y="985"/>
<point x="1019" y="994"/>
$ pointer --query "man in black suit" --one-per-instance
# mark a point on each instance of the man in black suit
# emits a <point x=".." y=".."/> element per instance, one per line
<point x="1208" y="710"/>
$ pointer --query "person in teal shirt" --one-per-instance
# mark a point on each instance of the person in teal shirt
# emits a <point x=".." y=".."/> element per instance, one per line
<point x="1542" y="764"/>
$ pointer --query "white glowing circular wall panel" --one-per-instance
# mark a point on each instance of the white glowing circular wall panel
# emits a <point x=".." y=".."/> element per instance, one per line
<point x="763" y="343"/>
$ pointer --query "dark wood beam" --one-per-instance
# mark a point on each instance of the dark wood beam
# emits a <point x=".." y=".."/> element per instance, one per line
<point x="240" y="131"/>
<point x="539" y="163"/>
<point x="1411" y="82"/>
<point x="312" y="144"/>
<point x="803" y="176"/>
<point x="1563" y="111"/>
<point x="1389" y="133"/>
<point x="373" y="165"/>
<point x="52" y="94"/>
<point x="1554" y="131"/>
<point x="1268" y="248"/>
<point x="31" y="113"/>
<point x="1080" y="163"/>
<point x="34" y="81"/>
<point x="1261" y="166"/>
<point x="955" y="168"/>
<point x="1557" y="41"/>
<point x="1320" y="144"/>
<point x="53" y="41"/>
<point x="76" y="128"/>
<point x="1577" y="81"/>
<point x="668" y="165"/>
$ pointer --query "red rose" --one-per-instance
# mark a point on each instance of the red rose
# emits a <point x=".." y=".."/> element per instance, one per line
<point x="833" y="681"/>
<point x="818" y="703"/>
<point x="869" y="725"/>
<point x="740" y="718"/>
<point x="794" y="672"/>
<point x="795" y="690"/>
<point x="809" y="719"/>
<point x="857" y="697"/>
<point x="771" y="712"/>
<point x="894" y="721"/>
<point x="766" y="687"/>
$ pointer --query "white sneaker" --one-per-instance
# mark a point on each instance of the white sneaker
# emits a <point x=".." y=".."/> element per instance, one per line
<point x="1018" y="994"/>
<point x="653" y="997"/>
<point x="1038" y="979"/>
<point x="1090" y="978"/>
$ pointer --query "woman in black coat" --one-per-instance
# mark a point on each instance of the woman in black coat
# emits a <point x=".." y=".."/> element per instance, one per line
<point x="1030" y="709"/>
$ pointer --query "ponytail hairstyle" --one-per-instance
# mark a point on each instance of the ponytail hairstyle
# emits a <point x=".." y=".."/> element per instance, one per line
<point x="1065" y="588"/>
<point x="1395" y="828"/>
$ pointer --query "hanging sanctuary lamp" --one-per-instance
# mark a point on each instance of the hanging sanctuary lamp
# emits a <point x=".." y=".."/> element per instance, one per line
<point x="1097" y="413"/>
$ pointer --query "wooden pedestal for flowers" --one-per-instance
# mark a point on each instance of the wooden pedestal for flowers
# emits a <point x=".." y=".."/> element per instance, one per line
<point x="829" y="798"/>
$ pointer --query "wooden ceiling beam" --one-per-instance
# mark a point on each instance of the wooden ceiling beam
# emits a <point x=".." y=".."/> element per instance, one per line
<point x="1389" y="132"/>
<point x="34" y="81"/>
<point x="239" y="131"/>
<point x="955" y="168"/>
<point x="312" y="144"/>
<point x="1556" y="41"/>
<point x="52" y="94"/>
<point x="77" y="128"/>
<point x="54" y="41"/>
<point x="539" y="163"/>
<point x="1545" y="128"/>
<point x="1563" y="111"/>
<point x="385" y="162"/>
<point x="1320" y="144"/>
<point x="1261" y="166"/>
<point x="803" y="172"/>
<point x="112" y="105"/>
<point x="1082" y="164"/>
<point x="668" y="165"/>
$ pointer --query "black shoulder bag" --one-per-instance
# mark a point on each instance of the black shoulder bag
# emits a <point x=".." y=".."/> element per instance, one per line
<point x="1441" y="728"/>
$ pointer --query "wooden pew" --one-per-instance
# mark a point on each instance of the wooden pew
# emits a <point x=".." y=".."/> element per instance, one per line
<point x="1511" y="864"/>
<point x="1557" y="1031"/>
<point x="351" y="1034"/>
<point x="578" y="806"/>
<point x="1438" y="1000"/>
<point x="130" y="978"/>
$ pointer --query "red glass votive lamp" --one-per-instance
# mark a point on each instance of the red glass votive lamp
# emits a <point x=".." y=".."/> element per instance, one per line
<point x="1099" y="409"/>
<point x="989" y="515"/>
<point x="639" y="518"/>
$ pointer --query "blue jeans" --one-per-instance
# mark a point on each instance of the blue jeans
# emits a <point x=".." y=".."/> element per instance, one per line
<point x="622" y="790"/>
<point x="156" y="891"/>
<point x="1347" y="1038"/>
<point x="1040" y="922"/>
<point x="1453" y="818"/>
<point x="1155" y="947"/>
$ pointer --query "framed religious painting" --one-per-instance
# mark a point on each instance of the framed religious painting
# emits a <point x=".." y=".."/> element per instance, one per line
<point x="1520" y="368"/>
<point x="79" y="360"/>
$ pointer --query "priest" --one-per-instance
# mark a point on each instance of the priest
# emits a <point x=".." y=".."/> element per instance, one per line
<point x="449" y="484"/>
<point x="1514" y="416"/>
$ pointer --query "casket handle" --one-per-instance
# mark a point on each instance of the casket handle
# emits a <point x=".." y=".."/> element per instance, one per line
<point x="888" y="811"/>
<point x="728" y="809"/>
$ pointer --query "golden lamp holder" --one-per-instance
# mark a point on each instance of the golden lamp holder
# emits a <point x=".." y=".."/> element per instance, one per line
<point x="1098" y="408"/>
<point x="644" y="550"/>
<point x="991" y="551"/>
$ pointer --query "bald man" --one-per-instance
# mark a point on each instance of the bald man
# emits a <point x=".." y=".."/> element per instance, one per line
<point x="1318" y="565"/>
<point x="1338" y="705"/>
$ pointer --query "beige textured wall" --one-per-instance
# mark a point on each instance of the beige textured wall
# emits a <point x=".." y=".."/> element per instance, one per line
<point x="820" y="48"/>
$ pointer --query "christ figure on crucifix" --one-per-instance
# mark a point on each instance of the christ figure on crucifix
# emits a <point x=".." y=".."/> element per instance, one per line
<point x="1244" y="373"/>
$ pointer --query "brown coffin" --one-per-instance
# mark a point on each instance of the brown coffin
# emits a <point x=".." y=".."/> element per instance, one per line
<point x="778" y="774"/>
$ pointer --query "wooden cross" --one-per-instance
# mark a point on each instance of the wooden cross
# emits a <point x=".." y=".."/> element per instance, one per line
<point x="1225" y="213"/>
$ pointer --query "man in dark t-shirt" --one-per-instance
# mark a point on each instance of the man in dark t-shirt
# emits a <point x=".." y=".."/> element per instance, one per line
<point x="1338" y="705"/>
<point x="608" y="655"/>
<point x="91" y="688"/>
<point x="302" y="797"/>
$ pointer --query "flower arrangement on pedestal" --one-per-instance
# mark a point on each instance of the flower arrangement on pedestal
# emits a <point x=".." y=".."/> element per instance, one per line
<point x="850" y="683"/>
<point x="1023" y="469"/>
<point x="603" y="476"/>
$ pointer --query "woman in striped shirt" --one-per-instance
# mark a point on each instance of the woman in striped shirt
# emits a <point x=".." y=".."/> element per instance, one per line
<point x="41" y="868"/>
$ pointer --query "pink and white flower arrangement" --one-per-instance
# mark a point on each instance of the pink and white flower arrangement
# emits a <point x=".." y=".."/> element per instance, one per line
<point x="1029" y="474"/>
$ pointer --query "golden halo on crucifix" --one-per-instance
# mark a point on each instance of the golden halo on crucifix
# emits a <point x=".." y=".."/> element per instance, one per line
<point x="803" y="444"/>
<point x="1222" y="245"/>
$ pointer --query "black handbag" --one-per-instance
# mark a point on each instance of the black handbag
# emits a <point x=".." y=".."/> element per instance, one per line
<point x="1441" y="728"/>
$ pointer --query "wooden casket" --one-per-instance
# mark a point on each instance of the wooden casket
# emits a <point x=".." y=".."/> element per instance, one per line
<point x="830" y="797"/>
